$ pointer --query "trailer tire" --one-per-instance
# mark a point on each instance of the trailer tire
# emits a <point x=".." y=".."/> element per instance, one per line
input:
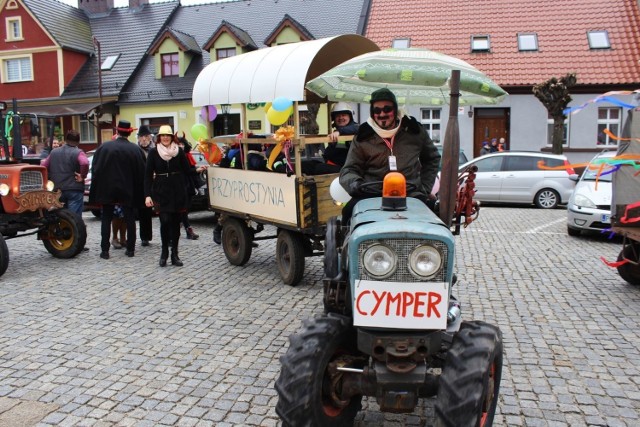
<point x="305" y="385"/>
<point x="331" y="266"/>
<point x="236" y="241"/>
<point x="65" y="236"/>
<point x="4" y="255"/>
<point x="470" y="381"/>
<point x="630" y="272"/>
<point x="290" y="256"/>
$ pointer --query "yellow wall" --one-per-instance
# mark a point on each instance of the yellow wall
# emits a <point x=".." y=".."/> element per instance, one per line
<point x="225" y="41"/>
<point x="287" y="35"/>
<point x="169" y="46"/>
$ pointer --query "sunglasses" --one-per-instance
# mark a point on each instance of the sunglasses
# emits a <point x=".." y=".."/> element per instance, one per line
<point x="386" y="109"/>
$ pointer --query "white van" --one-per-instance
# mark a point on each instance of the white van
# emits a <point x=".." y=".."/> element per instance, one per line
<point x="590" y="205"/>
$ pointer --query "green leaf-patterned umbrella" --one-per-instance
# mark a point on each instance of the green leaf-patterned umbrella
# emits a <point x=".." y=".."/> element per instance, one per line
<point x="416" y="77"/>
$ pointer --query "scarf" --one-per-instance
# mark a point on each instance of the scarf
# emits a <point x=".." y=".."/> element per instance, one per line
<point x="384" y="133"/>
<point x="167" y="153"/>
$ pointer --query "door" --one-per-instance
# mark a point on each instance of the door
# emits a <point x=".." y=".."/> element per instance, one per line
<point x="489" y="178"/>
<point x="521" y="175"/>
<point x="490" y="123"/>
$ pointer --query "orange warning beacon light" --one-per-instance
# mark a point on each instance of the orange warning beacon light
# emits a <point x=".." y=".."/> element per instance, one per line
<point x="394" y="192"/>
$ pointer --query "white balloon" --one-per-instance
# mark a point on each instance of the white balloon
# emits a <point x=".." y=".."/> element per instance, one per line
<point x="338" y="193"/>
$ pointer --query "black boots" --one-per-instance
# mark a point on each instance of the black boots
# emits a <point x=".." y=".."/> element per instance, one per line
<point x="174" y="257"/>
<point x="217" y="234"/>
<point x="163" y="256"/>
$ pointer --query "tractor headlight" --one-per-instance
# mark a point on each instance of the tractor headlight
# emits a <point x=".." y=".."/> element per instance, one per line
<point x="425" y="261"/>
<point x="50" y="185"/>
<point x="4" y="189"/>
<point x="379" y="261"/>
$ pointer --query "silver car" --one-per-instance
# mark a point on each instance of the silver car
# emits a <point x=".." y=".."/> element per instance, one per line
<point x="523" y="177"/>
<point x="590" y="205"/>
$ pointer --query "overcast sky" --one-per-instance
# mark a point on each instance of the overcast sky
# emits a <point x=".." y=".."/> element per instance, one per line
<point x="124" y="3"/>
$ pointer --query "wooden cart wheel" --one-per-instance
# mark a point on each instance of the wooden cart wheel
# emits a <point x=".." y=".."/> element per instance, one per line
<point x="629" y="271"/>
<point x="236" y="241"/>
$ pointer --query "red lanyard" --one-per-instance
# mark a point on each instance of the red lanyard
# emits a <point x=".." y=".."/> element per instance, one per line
<point x="390" y="143"/>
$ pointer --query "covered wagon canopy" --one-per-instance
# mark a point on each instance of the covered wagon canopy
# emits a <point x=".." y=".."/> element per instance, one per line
<point x="281" y="71"/>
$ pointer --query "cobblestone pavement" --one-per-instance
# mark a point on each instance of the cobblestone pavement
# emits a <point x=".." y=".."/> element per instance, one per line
<point x="123" y="342"/>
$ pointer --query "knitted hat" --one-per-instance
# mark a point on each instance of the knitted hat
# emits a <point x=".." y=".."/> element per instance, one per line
<point x="383" y="94"/>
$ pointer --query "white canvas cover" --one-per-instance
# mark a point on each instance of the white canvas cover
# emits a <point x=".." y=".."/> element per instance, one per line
<point x="280" y="71"/>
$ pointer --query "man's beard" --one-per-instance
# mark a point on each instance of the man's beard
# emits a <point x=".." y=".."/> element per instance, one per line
<point x="386" y="122"/>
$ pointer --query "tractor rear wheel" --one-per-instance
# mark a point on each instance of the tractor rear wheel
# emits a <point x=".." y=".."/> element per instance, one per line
<point x="470" y="380"/>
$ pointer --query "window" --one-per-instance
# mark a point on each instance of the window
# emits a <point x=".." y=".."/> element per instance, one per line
<point x="527" y="42"/>
<point x="17" y="69"/>
<point x="225" y="53"/>
<point x="598" y="39"/>
<point x="480" y="43"/>
<point x="87" y="132"/>
<point x="565" y="135"/>
<point x="608" y="118"/>
<point x="401" y="43"/>
<point x="431" y="123"/>
<point x="14" y="29"/>
<point x="108" y="63"/>
<point x="491" y="164"/>
<point x="170" y="65"/>
<point x="521" y="163"/>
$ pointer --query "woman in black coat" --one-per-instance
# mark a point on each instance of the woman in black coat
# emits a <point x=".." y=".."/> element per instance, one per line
<point x="165" y="188"/>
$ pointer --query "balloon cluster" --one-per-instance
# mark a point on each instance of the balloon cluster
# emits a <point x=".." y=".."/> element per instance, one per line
<point x="279" y="110"/>
<point x="210" y="149"/>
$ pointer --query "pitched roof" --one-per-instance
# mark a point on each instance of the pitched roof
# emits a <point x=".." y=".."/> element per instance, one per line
<point x="561" y="26"/>
<point x="322" y="18"/>
<point x="123" y="31"/>
<point x="185" y="41"/>
<point x="68" y="26"/>
<point x="243" y="38"/>
<point x="288" y="20"/>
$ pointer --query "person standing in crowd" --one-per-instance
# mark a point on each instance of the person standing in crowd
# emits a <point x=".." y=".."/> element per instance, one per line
<point x="165" y="189"/>
<point x="117" y="174"/>
<point x="145" y="214"/>
<point x="389" y="141"/>
<point x="494" y="145"/>
<point x="47" y="150"/>
<point x="68" y="166"/>
<point x="485" y="148"/>
<point x="502" y="146"/>
<point x="192" y="186"/>
<point x="343" y="124"/>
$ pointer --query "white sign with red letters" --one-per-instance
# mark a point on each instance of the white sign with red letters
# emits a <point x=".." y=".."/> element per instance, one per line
<point x="401" y="305"/>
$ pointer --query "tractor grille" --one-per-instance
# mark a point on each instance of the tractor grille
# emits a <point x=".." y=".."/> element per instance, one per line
<point x="30" y="181"/>
<point x="403" y="248"/>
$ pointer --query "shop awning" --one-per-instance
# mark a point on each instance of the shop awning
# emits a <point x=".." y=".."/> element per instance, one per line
<point x="58" y="110"/>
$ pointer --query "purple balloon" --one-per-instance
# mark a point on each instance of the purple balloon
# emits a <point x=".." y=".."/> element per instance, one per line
<point x="203" y="113"/>
<point x="213" y="112"/>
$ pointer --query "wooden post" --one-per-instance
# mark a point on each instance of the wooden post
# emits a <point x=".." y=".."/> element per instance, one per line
<point x="450" y="152"/>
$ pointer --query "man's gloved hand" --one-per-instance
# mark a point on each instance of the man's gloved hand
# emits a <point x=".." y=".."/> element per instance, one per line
<point x="354" y="188"/>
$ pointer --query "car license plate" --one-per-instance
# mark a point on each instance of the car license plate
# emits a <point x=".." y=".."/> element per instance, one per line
<point x="606" y="218"/>
<point x="401" y="305"/>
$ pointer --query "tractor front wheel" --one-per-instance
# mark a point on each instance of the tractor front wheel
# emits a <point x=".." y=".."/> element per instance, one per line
<point x="66" y="235"/>
<point x="308" y="389"/>
<point x="470" y="380"/>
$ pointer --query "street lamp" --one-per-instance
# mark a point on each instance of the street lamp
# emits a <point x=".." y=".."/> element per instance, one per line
<point x="225" y="115"/>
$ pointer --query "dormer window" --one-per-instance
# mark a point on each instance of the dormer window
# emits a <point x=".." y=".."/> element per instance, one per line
<point x="226" y="52"/>
<point x="14" y="29"/>
<point x="170" y="64"/>
<point x="527" y="42"/>
<point x="598" y="39"/>
<point x="480" y="44"/>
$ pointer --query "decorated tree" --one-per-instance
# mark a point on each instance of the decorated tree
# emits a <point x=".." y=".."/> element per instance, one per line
<point x="554" y="95"/>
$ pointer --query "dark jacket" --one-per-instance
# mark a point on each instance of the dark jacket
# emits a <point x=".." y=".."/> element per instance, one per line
<point x="416" y="156"/>
<point x="167" y="181"/>
<point x="63" y="163"/>
<point x="336" y="152"/>
<point x="117" y="174"/>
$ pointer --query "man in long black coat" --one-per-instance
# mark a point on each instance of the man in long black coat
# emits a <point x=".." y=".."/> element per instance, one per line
<point x="117" y="173"/>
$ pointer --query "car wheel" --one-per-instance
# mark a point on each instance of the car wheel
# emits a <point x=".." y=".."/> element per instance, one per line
<point x="547" y="199"/>
<point x="573" y="232"/>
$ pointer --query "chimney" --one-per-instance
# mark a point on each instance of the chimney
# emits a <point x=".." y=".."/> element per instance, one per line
<point x="134" y="4"/>
<point x="95" y="6"/>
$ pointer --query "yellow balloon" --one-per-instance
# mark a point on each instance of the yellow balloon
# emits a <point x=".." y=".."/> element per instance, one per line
<point x="276" y="117"/>
<point x="266" y="107"/>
